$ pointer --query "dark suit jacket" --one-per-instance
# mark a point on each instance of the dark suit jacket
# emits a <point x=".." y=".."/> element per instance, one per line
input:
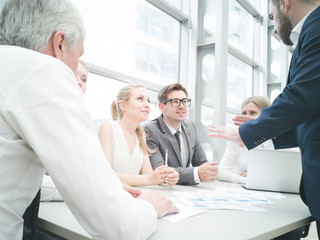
<point x="159" y="138"/>
<point x="294" y="117"/>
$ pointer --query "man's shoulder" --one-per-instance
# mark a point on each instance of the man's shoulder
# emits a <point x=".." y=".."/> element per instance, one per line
<point x="23" y="53"/>
<point x="311" y="24"/>
<point x="30" y="60"/>
<point x="151" y="124"/>
<point x="188" y="123"/>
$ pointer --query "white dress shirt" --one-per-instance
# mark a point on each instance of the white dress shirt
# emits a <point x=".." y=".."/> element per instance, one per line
<point x="49" y="191"/>
<point x="44" y="124"/>
<point x="235" y="160"/>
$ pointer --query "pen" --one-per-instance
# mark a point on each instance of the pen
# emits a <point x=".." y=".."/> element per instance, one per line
<point x="166" y="158"/>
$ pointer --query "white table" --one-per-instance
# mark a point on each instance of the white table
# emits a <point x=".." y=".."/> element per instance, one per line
<point x="285" y="215"/>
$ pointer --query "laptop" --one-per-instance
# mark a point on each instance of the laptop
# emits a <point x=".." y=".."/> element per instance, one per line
<point x="274" y="170"/>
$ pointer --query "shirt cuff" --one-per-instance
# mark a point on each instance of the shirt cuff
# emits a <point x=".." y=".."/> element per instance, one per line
<point x="196" y="175"/>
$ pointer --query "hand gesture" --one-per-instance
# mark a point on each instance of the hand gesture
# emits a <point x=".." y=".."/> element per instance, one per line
<point x="239" y="120"/>
<point x="228" y="133"/>
<point x="243" y="174"/>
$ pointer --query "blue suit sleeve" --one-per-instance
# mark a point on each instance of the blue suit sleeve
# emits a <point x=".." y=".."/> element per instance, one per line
<point x="299" y="101"/>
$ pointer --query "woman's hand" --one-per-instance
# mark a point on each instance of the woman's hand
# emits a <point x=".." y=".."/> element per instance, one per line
<point x="159" y="175"/>
<point x="172" y="178"/>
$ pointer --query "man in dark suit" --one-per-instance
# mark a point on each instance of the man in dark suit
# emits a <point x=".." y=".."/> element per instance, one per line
<point x="173" y="133"/>
<point x="294" y="117"/>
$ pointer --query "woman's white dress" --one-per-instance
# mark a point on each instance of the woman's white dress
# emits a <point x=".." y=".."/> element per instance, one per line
<point x="122" y="160"/>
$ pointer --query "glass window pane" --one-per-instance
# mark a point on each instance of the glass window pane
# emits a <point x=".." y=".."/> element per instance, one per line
<point x="274" y="94"/>
<point x="208" y="67"/>
<point x="241" y="28"/>
<point x="207" y="148"/>
<point x="276" y="68"/>
<point x="275" y="43"/>
<point x="154" y="106"/>
<point x="132" y="37"/>
<point x="209" y="24"/>
<point x="209" y="19"/>
<point x="239" y="85"/>
<point x="229" y="118"/>
<point x="207" y="112"/>
<point x="102" y="91"/>
<point x="176" y="3"/>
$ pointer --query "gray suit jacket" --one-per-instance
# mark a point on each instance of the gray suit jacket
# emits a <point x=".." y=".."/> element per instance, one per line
<point x="159" y="138"/>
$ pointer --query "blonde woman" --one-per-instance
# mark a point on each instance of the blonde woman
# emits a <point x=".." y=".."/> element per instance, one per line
<point x="82" y="75"/>
<point x="124" y="144"/>
<point x="234" y="163"/>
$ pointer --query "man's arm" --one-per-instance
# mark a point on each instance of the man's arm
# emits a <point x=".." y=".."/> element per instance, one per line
<point x="286" y="140"/>
<point x="157" y="159"/>
<point x="206" y="171"/>
<point x="48" y="112"/>
<point x="299" y="101"/>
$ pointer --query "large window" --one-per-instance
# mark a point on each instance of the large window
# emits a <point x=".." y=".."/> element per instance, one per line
<point x="128" y="41"/>
<point x="240" y="29"/>
<point x="102" y="91"/>
<point x="239" y="85"/>
<point x="132" y="37"/>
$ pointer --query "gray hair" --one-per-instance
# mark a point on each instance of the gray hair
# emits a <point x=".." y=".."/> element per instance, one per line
<point x="31" y="23"/>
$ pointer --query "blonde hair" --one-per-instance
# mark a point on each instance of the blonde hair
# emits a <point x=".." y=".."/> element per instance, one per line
<point x="124" y="94"/>
<point x="260" y="101"/>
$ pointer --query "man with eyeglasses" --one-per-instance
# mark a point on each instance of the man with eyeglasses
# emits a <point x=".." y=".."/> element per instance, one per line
<point x="174" y="139"/>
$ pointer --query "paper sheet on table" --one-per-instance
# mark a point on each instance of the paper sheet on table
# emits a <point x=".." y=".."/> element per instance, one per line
<point x="184" y="212"/>
<point x="226" y="198"/>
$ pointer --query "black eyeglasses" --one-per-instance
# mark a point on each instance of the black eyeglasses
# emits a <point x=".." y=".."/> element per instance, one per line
<point x="175" y="102"/>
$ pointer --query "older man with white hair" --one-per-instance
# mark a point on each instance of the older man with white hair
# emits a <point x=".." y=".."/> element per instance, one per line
<point x="44" y="125"/>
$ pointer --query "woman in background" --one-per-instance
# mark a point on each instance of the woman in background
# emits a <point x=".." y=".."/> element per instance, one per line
<point x="234" y="163"/>
<point x="124" y="143"/>
<point x="82" y="76"/>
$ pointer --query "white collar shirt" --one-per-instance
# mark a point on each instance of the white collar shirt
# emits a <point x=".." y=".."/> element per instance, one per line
<point x="44" y="124"/>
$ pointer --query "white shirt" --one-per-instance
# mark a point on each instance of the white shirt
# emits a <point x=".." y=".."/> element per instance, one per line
<point x="184" y="150"/>
<point x="49" y="191"/>
<point x="295" y="33"/>
<point x="235" y="161"/>
<point x="44" y="125"/>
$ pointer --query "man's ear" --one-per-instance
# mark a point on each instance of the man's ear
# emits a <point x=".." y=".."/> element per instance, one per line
<point x="285" y="5"/>
<point x="161" y="105"/>
<point x="58" y="44"/>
